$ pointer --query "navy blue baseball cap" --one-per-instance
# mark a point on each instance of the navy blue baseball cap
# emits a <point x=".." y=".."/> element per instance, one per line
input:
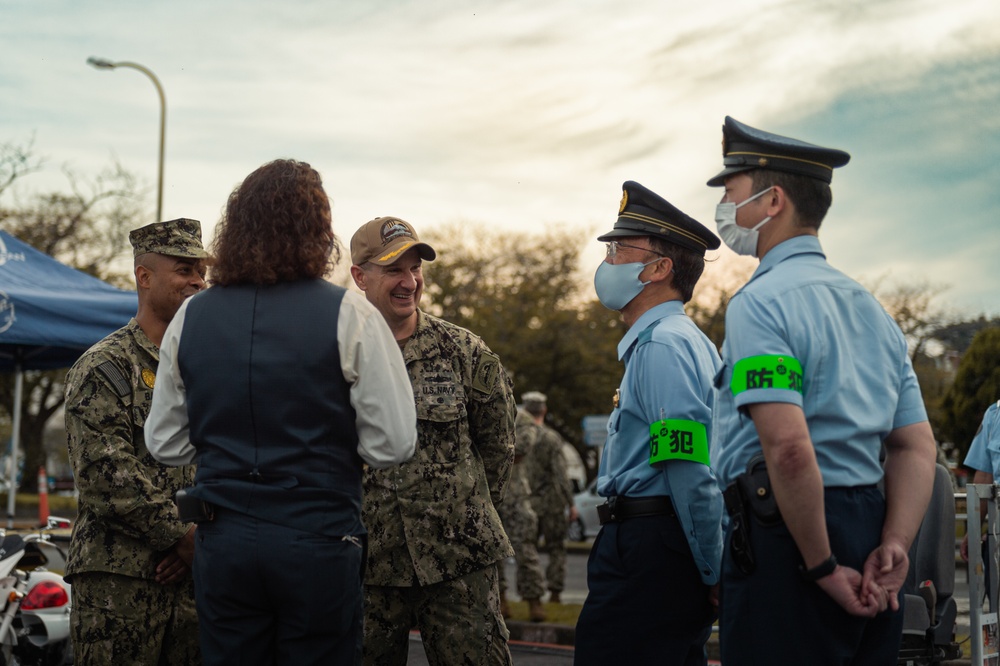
<point x="745" y="148"/>
<point x="643" y="212"/>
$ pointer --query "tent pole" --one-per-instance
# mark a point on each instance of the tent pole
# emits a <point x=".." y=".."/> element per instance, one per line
<point x="15" y="438"/>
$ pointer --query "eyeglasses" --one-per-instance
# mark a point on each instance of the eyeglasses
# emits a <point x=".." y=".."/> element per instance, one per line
<point x="614" y="245"/>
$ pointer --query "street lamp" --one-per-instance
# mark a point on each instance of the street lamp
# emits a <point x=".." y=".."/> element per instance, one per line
<point x="101" y="63"/>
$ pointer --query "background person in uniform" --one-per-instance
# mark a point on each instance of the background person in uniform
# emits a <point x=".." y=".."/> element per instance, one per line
<point x="436" y="538"/>
<point x="655" y="562"/>
<point x="551" y="492"/>
<point x="280" y="385"/>
<point x="984" y="456"/>
<point x="817" y="376"/>
<point x="521" y="524"/>
<point x="129" y="556"/>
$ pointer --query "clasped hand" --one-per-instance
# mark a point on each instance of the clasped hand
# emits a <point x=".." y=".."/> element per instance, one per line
<point x="872" y="591"/>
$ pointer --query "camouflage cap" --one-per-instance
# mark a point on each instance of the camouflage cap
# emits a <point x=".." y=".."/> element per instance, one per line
<point x="383" y="240"/>
<point x="174" y="238"/>
<point x="533" y="396"/>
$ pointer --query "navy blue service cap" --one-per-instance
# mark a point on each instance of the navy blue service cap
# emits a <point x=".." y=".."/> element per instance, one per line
<point x="745" y="148"/>
<point x="643" y="212"/>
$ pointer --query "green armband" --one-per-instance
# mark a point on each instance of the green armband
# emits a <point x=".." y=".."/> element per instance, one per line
<point x="678" y="439"/>
<point x="767" y="372"/>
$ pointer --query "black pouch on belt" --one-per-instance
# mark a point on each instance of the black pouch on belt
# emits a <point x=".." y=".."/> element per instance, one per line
<point x="739" y="535"/>
<point x="191" y="509"/>
<point x="755" y="485"/>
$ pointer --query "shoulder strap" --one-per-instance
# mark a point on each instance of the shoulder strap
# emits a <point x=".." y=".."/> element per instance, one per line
<point x="647" y="333"/>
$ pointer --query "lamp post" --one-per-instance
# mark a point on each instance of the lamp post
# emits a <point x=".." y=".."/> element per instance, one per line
<point x="101" y="63"/>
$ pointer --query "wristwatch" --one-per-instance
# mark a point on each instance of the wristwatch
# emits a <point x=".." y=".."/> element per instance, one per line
<point x="821" y="570"/>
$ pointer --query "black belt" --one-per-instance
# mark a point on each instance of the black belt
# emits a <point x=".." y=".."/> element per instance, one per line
<point x="620" y="508"/>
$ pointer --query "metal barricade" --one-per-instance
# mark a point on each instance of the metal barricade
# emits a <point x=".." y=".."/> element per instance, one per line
<point x="984" y="629"/>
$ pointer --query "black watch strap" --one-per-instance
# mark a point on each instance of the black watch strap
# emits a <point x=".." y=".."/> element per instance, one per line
<point x="821" y="570"/>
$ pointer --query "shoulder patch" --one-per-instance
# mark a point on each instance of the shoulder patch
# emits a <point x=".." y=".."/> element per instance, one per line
<point x="118" y="381"/>
<point x="484" y="379"/>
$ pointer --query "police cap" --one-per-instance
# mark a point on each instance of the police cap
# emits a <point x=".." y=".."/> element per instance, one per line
<point x="745" y="148"/>
<point x="643" y="212"/>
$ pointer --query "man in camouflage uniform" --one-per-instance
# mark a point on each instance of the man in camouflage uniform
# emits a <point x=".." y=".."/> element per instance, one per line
<point x="521" y="523"/>
<point x="435" y="538"/>
<point x="129" y="557"/>
<point x="551" y="493"/>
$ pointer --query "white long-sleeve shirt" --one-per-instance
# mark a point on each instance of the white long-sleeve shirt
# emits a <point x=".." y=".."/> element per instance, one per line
<point x="372" y="365"/>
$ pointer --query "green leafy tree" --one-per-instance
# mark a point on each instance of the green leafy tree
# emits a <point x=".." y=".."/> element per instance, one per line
<point x="976" y="387"/>
<point x="85" y="227"/>
<point x="707" y="307"/>
<point x="958" y="335"/>
<point x="523" y="294"/>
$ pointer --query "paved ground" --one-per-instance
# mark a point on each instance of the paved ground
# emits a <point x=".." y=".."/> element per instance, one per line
<point x="540" y="652"/>
<point x="523" y="654"/>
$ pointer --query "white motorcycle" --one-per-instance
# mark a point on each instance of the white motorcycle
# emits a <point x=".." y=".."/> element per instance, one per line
<point x="34" y="621"/>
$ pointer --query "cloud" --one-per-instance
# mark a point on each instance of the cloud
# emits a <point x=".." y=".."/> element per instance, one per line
<point x="519" y="114"/>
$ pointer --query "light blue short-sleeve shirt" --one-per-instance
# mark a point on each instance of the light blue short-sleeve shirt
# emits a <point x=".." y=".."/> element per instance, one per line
<point x="984" y="452"/>
<point x="669" y="368"/>
<point x="802" y="332"/>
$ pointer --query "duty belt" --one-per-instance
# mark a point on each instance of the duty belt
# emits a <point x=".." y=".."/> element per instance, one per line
<point x="619" y="508"/>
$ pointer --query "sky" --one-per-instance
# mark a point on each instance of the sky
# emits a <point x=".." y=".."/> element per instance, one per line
<point x="524" y="115"/>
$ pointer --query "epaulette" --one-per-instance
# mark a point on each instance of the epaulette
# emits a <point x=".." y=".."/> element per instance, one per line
<point x="646" y="335"/>
<point x="118" y="381"/>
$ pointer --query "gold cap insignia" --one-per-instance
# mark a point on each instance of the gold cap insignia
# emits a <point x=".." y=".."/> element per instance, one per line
<point x="148" y="377"/>
<point x="762" y="162"/>
<point x="624" y="202"/>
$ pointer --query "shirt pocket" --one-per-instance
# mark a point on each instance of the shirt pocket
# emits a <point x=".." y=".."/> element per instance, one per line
<point x="443" y="431"/>
<point x="139" y="410"/>
<point x="614" y="421"/>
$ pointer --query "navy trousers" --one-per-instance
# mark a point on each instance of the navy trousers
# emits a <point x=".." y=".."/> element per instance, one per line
<point x="269" y="594"/>
<point x="646" y="603"/>
<point x="773" y="616"/>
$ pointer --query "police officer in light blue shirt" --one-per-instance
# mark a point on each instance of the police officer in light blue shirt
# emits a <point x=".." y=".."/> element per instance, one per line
<point x="654" y="567"/>
<point x="816" y="378"/>
<point x="984" y="455"/>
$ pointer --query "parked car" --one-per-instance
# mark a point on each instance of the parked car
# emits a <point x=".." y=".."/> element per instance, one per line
<point x="587" y="524"/>
<point x="574" y="467"/>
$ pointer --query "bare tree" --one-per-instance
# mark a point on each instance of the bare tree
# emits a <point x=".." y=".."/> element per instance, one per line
<point x="85" y="227"/>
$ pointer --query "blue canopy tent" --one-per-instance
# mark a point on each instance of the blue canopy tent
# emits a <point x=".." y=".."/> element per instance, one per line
<point x="49" y="315"/>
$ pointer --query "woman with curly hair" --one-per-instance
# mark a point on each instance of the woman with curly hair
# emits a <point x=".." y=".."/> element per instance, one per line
<point x="279" y="385"/>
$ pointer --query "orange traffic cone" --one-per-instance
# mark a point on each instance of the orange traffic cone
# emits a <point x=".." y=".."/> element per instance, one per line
<point x="43" y="496"/>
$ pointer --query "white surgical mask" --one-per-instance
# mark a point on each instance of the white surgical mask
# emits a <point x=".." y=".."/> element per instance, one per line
<point x="739" y="239"/>
<point x="618" y="284"/>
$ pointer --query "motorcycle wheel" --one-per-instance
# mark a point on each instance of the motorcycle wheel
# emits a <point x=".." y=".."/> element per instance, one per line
<point x="26" y="654"/>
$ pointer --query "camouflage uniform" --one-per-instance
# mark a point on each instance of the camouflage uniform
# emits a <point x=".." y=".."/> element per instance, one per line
<point x="551" y="497"/>
<point x="434" y="535"/>
<point x="126" y="522"/>
<point x="519" y="518"/>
